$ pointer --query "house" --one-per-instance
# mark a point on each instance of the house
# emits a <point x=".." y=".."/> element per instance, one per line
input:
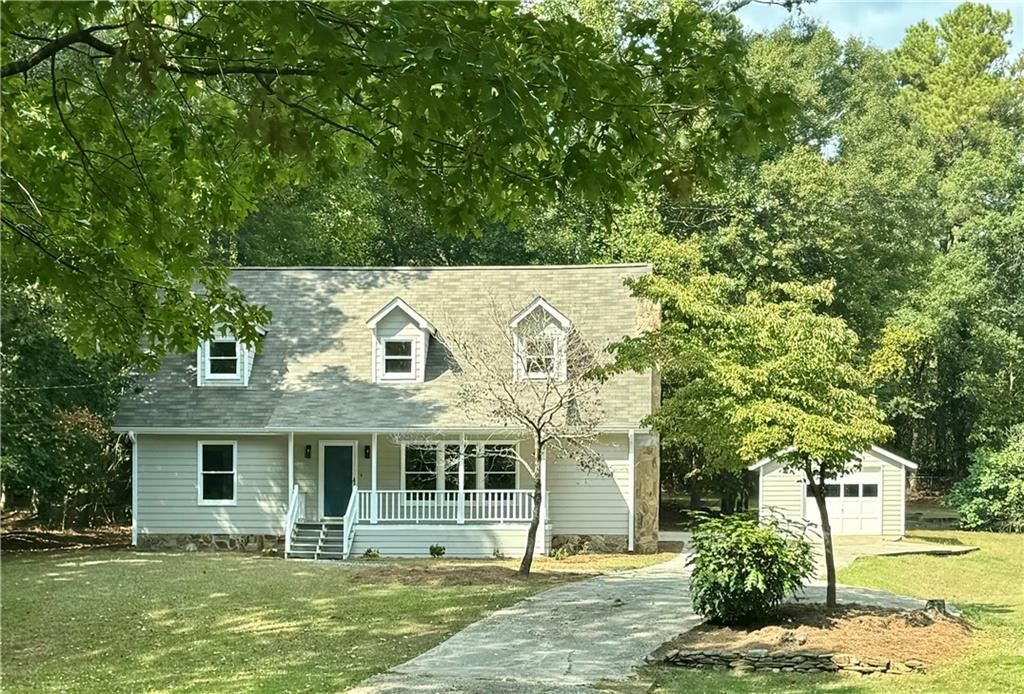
<point x="341" y="433"/>
<point x="869" y="499"/>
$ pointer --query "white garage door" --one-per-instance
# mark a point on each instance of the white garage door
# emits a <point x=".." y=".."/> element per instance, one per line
<point x="854" y="504"/>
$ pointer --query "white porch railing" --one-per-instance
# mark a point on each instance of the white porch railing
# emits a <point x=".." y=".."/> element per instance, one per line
<point x="296" y="510"/>
<point x="350" y="520"/>
<point x="476" y="506"/>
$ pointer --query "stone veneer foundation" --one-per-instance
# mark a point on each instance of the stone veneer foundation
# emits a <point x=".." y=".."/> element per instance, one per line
<point x="594" y="543"/>
<point x="212" y="543"/>
<point x="646" y="481"/>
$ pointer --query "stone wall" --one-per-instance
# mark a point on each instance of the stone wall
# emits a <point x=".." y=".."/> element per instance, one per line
<point x="574" y="544"/>
<point x="647" y="479"/>
<point x="761" y="659"/>
<point x="212" y="543"/>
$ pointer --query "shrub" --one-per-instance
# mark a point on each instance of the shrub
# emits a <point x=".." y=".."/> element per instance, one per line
<point x="991" y="497"/>
<point x="371" y="553"/>
<point x="742" y="570"/>
<point x="437" y="551"/>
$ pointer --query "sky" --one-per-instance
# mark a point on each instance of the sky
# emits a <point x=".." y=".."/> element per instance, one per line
<point x="882" y="22"/>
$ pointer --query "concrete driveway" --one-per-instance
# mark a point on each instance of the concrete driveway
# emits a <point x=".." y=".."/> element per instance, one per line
<point x="561" y="640"/>
<point x="568" y="638"/>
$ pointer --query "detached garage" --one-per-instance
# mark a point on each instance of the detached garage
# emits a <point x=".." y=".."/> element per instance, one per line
<point x="870" y="499"/>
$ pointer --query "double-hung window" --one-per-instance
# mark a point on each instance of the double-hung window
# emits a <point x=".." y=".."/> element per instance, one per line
<point x="421" y="467"/>
<point x="217" y="468"/>
<point x="223" y="358"/>
<point x="540" y="355"/>
<point x="499" y="466"/>
<point x="398" y="359"/>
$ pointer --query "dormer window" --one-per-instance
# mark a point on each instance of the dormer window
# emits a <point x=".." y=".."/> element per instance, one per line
<point x="540" y="355"/>
<point x="224" y="361"/>
<point x="539" y="333"/>
<point x="222" y="358"/>
<point x="399" y="359"/>
<point x="401" y="338"/>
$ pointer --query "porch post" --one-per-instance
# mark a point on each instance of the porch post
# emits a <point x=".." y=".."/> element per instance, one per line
<point x="462" y="479"/>
<point x="291" y="484"/>
<point x="135" y="488"/>
<point x="631" y="499"/>
<point x="291" y="463"/>
<point x="373" y="479"/>
<point x="544" y="501"/>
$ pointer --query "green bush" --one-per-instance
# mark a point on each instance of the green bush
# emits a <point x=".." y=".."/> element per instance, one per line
<point x="991" y="497"/>
<point x="437" y="551"/>
<point x="742" y="570"/>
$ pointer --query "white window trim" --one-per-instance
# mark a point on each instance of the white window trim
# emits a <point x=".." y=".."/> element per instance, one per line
<point x="233" y="501"/>
<point x="556" y="356"/>
<point x="482" y="467"/>
<point x="479" y="470"/>
<point x="208" y="357"/>
<point x="384" y="375"/>
<point x="558" y="373"/>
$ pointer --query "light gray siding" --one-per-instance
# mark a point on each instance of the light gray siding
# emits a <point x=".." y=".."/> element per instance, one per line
<point x="893" y="499"/>
<point x="591" y="502"/>
<point x="459" y="541"/>
<point x="168" y="479"/>
<point x="781" y="493"/>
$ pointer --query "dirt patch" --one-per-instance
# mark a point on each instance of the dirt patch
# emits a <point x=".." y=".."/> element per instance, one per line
<point x="857" y="629"/>
<point x="26" y="539"/>
<point x="457" y="576"/>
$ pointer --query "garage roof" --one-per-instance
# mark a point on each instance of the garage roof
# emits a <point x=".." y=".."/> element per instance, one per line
<point x="878" y="450"/>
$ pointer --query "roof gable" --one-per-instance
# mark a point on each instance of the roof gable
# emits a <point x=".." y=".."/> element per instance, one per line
<point x="887" y="455"/>
<point x="398" y="303"/>
<point x="541" y="303"/>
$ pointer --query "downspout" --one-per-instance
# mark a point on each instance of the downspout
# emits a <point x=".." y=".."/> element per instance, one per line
<point x="135" y="487"/>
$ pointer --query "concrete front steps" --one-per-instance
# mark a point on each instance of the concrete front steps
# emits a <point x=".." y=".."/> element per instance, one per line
<point x="312" y="540"/>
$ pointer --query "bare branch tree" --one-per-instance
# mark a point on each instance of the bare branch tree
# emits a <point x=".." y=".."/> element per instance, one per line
<point x="536" y="376"/>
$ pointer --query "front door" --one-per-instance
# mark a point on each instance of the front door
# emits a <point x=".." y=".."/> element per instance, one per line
<point x="337" y="480"/>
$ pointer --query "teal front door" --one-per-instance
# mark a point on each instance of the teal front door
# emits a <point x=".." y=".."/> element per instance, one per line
<point x="337" y="480"/>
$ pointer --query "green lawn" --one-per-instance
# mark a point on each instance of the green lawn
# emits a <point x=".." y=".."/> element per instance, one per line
<point x="987" y="585"/>
<point x="119" y="621"/>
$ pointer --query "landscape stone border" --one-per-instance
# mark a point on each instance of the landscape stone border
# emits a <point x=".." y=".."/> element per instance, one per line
<point x="761" y="659"/>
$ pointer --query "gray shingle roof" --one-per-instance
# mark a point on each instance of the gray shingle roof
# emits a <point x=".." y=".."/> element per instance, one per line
<point x="314" y="369"/>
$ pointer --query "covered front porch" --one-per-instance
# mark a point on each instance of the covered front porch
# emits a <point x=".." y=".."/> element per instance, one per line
<point x="468" y="491"/>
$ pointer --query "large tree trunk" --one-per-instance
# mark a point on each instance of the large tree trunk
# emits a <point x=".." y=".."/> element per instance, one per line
<point x="826" y="534"/>
<point x="695" y="493"/>
<point x="531" y="535"/>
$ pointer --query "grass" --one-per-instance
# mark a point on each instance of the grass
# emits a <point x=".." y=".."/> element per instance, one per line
<point x="119" y="621"/>
<point x="987" y="585"/>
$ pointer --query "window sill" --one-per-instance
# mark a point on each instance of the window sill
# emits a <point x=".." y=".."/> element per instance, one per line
<point x="218" y="502"/>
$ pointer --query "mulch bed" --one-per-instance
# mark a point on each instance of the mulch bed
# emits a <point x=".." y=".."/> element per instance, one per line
<point x="18" y="538"/>
<point x="862" y="630"/>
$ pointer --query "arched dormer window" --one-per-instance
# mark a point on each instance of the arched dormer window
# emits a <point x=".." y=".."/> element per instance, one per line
<point x="539" y="335"/>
